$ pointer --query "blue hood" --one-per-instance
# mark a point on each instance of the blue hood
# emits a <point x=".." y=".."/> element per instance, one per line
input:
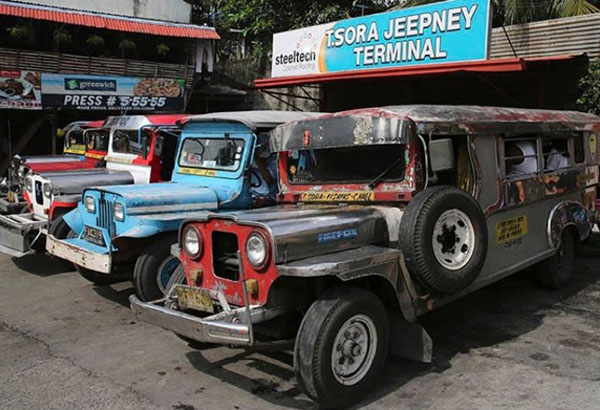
<point x="164" y="197"/>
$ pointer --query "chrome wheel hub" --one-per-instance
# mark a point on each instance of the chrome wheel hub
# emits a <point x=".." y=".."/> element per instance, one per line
<point x="354" y="350"/>
<point x="453" y="239"/>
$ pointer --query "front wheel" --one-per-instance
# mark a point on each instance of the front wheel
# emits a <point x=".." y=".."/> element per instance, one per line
<point x="341" y="346"/>
<point x="154" y="268"/>
<point x="556" y="271"/>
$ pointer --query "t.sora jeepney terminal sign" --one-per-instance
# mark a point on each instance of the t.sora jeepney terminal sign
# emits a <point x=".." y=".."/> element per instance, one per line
<point x="446" y="32"/>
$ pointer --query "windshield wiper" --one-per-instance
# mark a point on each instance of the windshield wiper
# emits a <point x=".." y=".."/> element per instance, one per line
<point x="378" y="178"/>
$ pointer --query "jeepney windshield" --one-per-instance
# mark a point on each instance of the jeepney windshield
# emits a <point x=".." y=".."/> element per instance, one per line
<point x="132" y="142"/>
<point x="224" y="154"/>
<point x="75" y="140"/>
<point x="97" y="140"/>
<point x="348" y="164"/>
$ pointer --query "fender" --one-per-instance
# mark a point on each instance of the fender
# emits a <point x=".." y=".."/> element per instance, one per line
<point x="74" y="220"/>
<point x="568" y="213"/>
<point x="62" y="205"/>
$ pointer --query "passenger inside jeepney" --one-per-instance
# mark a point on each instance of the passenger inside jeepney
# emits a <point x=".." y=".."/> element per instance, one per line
<point x="556" y="154"/>
<point x="263" y="174"/>
<point x="521" y="158"/>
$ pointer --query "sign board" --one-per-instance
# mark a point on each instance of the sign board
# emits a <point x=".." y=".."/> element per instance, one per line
<point x="446" y="32"/>
<point x="20" y="90"/>
<point x="91" y="92"/>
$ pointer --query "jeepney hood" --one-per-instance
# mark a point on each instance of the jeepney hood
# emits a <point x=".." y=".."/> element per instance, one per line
<point x="68" y="183"/>
<point x="37" y="159"/>
<point x="302" y="231"/>
<point x="40" y="167"/>
<point x="164" y="197"/>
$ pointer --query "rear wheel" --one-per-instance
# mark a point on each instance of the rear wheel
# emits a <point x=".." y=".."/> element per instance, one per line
<point x="154" y="268"/>
<point x="341" y="346"/>
<point x="556" y="271"/>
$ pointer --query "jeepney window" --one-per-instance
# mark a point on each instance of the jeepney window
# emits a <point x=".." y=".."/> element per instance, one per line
<point x="579" y="153"/>
<point x="520" y="157"/>
<point x="348" y="164"/>
<point x="556" y="153"/>
<point x="75" y="140"/>
<point x="223" y="154"/>
<point x="131" y="142"/>
<point x="97" y="140"/>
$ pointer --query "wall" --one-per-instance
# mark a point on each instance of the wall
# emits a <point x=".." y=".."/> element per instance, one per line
<point x="168" y="10"/>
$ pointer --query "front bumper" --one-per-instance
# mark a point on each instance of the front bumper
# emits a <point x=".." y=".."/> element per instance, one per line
<point x="18" y="232"/>
<point x="216" y="328"/>
<point x="80" y="253"/>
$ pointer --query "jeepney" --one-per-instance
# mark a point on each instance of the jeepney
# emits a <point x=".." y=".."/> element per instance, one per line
<point x="389" y="213"/>
<point x="118" y="227"/>
<point x="76" y="155"/>
<point x="136" y="154"/>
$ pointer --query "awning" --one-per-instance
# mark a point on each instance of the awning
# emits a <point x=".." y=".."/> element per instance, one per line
<point x="486" y="66"/>
<point x="107" y="21"/>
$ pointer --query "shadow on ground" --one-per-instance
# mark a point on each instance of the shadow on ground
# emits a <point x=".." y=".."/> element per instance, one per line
<point x="41" y="264"/>
<point x="496" y="314"/>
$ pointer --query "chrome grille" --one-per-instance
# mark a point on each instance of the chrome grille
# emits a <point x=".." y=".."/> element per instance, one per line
<point x="105" y="215"/>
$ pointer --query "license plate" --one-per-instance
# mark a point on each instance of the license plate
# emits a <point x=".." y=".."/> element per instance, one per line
<point x="93" y="235"/>
<point x="195" y="298"/>
<point x="11" y="197"/>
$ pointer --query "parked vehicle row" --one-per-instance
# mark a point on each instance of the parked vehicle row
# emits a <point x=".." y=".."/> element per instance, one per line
<point x="334" y="233"/>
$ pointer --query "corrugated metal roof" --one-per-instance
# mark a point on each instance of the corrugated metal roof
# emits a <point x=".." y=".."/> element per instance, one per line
<point x="107" y="21"/>
<point x="570" y="35"/>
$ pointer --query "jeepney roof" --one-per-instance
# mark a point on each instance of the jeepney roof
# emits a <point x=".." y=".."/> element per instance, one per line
<point x="82" y="125"/>
<point x="253" y="119"/>
<point x="135" y="122"/>
<point x="389" y="125"/>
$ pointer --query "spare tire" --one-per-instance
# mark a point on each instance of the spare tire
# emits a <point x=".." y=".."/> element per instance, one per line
<point x="444" y="238"/>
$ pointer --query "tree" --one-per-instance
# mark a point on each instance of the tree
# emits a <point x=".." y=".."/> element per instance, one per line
<point x="590" y="88"/>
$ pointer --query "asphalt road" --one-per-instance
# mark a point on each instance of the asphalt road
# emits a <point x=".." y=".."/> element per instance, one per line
<point x="65" y="344"/>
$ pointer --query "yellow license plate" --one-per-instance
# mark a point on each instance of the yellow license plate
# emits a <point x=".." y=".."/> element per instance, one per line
<point x="11" y="197"/>
<point x="195" y="298"/>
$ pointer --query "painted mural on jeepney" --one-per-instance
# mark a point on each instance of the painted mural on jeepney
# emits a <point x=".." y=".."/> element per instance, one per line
<point x="533" y="189"/>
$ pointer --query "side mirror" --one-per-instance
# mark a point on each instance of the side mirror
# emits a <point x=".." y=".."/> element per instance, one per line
<point x="441" y="155"/>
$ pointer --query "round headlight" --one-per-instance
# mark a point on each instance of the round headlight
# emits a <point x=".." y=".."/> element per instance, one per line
<point x="118" y="212"/>
<point x="47" y="190"/>
<point x="90" y="204"/>
<point x="29" y="184"/>
<point x="257" y="250"/>
<point x="191" y="242"/>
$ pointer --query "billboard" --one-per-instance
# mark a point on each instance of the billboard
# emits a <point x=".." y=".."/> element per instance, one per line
<point x="446" y="32"/>
<point x="91" y="92"/>
<point x="20" y="90"/>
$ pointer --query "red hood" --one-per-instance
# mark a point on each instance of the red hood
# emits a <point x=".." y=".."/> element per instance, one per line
<point x="86" y="163"/>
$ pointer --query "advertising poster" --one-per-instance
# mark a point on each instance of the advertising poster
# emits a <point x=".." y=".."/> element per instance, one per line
<point x="446" y="32"/>
<point x="90" y="92"/>
<point x="20" y="90"/>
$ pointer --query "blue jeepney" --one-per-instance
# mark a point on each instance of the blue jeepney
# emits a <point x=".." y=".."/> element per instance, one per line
<point x="221" y="164"/>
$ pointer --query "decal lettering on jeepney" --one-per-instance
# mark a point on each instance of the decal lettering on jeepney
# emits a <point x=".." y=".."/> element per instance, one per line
<point x="198" y="172"/>
<point x="511" y="229"/>
<point x="74" y="151"/>
<point x="593" y="144"/>
<point x="353" y="196"/>
<point x="118" y="159"/>
<point x="337" y="235"/>
<point x="94" y="156"/>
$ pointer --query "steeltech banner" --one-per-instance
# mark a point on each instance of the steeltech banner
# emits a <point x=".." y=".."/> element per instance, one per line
<point x="446" y="32"/>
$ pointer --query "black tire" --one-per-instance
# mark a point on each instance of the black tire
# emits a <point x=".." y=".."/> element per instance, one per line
<point x="148" y="266"/>
<point x="314" y="349"/>
<point x="417" y="236"/>
<point x="59" y="228"/>
<point x="556" y="271"/>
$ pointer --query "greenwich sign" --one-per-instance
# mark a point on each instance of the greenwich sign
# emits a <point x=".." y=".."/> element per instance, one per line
<point x="446" y="32"/>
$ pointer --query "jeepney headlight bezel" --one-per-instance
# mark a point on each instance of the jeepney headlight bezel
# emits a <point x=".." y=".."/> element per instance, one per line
<point x="90" y="204"/>
<point x="257" y="249"/>
<point x="29" y="184"/>
<point x="119" y="212"/>
<point x="192" y="242"/>
<point x="47" y="190"/>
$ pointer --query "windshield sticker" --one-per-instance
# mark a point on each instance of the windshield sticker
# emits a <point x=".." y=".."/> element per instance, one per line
<point x="511" y="229"/>
<point x="354" y="196"/>
<point x="198" y="172"/>
<point x="74" y="151"/>
<point x="118" y="159"/>
<point x="337" y="235"/>
<point x="94" y="156"/>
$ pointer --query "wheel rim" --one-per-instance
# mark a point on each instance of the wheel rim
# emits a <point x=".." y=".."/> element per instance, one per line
<point x="453" y="239"/>
<point x="165" y="270"/>
<point x="354" y="350"/>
